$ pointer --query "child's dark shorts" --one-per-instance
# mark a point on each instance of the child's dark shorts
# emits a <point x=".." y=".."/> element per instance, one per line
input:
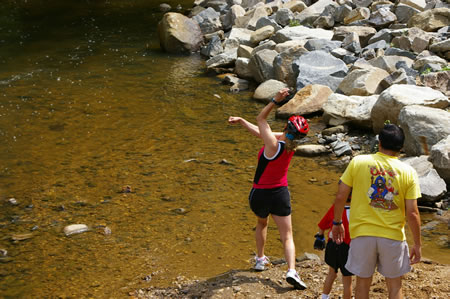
<point x="276" y="201"/>
<point x="336" y="257"/>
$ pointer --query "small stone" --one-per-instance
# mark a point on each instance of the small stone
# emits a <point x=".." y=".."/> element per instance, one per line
<point x="75" y="229"/>
<point x="21" y="237"/>
<point x="13" y="201"/>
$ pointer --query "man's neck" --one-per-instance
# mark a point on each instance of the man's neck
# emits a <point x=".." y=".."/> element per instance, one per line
<point x="387" y="152"/>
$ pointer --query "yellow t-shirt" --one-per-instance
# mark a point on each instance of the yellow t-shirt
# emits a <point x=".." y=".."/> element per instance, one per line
<point x="381" y="184"/>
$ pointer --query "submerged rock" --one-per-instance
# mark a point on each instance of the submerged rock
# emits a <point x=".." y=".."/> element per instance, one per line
<point x="75" y="229"/>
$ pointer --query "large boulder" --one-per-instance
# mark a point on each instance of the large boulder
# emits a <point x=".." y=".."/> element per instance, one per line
<point x="208" y="20"/>
<point x="363" y="82"/>
<point x="282" y="64"/>
<point x="423" y="127"/>
<point x="308" y="100"/>
<point x="261" y="65"/>
<point x="431" y="20"/>
<point x="432" y="186"/>
<point x="341" y="109"/>
<point x="393" y="99"/>
<point x="364" y="33"/>
<point x="300" y="33"/>
<point x="390" y="63"/>
<point x="438" y="80"/>
<point x="319" y="67"/>
<point x="440" y="157"/>
<point x="179" y="34"/>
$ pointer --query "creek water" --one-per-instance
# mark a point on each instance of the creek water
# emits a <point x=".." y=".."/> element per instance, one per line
<point x="90" y="105"/>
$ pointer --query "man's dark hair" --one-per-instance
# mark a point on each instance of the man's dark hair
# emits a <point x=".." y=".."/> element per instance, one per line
<point x="392" y="137"/>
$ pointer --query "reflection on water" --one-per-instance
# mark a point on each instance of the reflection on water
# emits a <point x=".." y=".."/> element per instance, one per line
<point x="88" y="105"/>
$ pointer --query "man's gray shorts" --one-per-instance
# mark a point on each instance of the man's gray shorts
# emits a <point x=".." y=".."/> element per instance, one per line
<point x="391" y="257"/>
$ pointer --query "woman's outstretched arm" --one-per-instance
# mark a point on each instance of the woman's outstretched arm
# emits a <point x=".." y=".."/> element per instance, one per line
<point x="253" y="129"/>
<point x="270" y="141"/>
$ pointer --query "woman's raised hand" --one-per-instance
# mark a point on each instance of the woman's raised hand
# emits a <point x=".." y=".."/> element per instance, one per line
<point x="281" y="94"/>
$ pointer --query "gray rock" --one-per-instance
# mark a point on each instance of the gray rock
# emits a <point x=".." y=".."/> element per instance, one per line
<point x="420" y="62"/>
<point x="364" y="33"/>
<point x="222" y="60"/>
<point x="341" y="13"/>
<point x="341" y="148"/>
<point x="388" y="63"/>
<point x="393" y="99"/>
<point x="300" y="33"/>
<point x="267" y="90"/>
<point x="381" y="44"/>
<point x="208" y="20"/>
<point x="242" y="35"/>
<point x="284" y="16"/>
<point x="311" y="150"/>
<point x="439" y="81"/>
<point x="266" y="45"/>
<point x="266" y="21"/>
<point x="351" y="43"/>
<point x="319" y="67"/>
<point x="179" y="34"/>
<point x="282" y="65"/>
<point x="397" y="77"/>
<point x="213" y="48"/>
<point x="423" y="127"/>
<point x="164" y="7"/>
<point x="432" y="186"/>
<point x="392" y="51"/>
<point x="261" y="65"/>
<point x="383" y="34"/>
<point x="242" y="69"/>
<point x="322" y="44"/>
<point x="441" y="46"/>
<point x="363" y="82"/>
<point x="340" y="109"/>
<point x="382" y="18"/>
<point x="405" y="12"/>
<point x="441" y="159"/>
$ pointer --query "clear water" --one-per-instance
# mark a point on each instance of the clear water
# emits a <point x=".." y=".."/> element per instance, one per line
<point x="90" y="105"/>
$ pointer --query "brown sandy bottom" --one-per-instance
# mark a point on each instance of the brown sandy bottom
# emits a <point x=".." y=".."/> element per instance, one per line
<point x="428" y="279"/>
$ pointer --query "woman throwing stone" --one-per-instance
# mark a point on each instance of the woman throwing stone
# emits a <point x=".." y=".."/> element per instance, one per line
<point x="270" y="194"/>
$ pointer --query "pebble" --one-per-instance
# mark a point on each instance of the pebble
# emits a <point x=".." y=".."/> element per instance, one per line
<point x="21" y="237"/>
<point x="75" y="229"/>
<point x="13" y="201"/>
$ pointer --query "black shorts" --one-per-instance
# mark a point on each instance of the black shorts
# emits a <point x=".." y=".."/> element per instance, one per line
<point x="276" y="201"/>
<point x="336" y="257"/>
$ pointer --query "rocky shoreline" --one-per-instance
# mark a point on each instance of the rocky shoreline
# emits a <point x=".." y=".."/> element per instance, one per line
<point x="428" y="279"/>
<point x="357" y="63"/>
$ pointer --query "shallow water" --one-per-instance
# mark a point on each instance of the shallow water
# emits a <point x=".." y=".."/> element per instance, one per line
<point x="90" y="105"/>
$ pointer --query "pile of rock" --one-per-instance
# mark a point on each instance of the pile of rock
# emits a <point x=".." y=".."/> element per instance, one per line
<point x="360" y="62"/>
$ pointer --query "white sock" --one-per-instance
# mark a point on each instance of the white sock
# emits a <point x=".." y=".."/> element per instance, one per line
<point x="325" y="296"/>
<point x="291" y="270"/>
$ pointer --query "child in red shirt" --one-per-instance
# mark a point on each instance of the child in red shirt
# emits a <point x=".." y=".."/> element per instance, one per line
<point x="335" y="255"/>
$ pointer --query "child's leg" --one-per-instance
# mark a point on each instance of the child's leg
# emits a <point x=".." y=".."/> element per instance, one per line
<point x="328" y="284"/>
<point x="347" y="282"/>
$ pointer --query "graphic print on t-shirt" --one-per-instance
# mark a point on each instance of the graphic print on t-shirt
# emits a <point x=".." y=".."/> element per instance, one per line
<point x="381" y="191"/>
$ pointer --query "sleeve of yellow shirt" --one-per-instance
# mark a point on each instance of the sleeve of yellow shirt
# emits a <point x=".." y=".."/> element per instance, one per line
<point x="413" y="191"/>
<point x="347" y="176"/>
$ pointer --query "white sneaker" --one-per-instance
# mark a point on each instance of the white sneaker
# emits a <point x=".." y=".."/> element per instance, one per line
<point x="260" y="263"/>
<point x="293" y="279"/>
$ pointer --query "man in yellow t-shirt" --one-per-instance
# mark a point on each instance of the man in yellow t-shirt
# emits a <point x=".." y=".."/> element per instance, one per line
<point x="384" y="196"/>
